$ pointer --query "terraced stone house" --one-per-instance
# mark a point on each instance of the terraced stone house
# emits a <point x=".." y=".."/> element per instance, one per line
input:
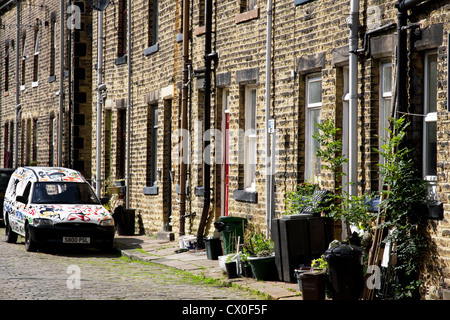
<point x="208" y="108"/>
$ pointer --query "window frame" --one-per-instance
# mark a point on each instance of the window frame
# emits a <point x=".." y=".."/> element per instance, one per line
<point x="310" y="173"/>
<point x="345" y="121"/>
<point x="250" y="137"/>
<point x="384" y="113"/>
<point x="429" y="117"/>
<point x="53" y="42"/>
<point x="153" y="22"/>
<point x="153" y="166"/>
<point x="35" y="81"/>
<point x="122" y="29"/>
<point x="23" y="62"/>
<point x="6" y="66"/>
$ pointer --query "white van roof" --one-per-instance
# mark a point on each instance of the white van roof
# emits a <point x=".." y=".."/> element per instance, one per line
<point x="49" y="174"/>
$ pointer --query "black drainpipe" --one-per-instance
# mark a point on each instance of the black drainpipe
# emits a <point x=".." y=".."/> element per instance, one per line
<point x="402" y="52"/>
<point x="207" y="118"/>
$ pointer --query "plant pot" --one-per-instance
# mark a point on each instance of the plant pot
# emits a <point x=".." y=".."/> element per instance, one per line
<point x="231" y="270"/>
<point x="263" y="268"/>
<point x="247" y="270"/>
<point x="114" y="190"/>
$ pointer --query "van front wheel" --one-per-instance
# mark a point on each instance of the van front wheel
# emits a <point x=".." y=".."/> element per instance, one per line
<point x="30" y="245"/>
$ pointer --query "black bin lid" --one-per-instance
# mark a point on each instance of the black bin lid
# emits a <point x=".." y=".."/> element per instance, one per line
<point x="345" y="249"/>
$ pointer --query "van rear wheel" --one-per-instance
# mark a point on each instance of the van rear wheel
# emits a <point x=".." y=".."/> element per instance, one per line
<point x="10" y="236"/>
<point x="30" y="245"/>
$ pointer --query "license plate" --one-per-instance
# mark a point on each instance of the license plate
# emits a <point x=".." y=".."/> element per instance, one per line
<point x="76" y="240"/>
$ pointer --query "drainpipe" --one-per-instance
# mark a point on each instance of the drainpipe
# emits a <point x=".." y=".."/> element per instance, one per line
<point x="402" y="58"/>
<point x="128" y="151"/>
<point x="98" y="181"/>
<point x="402" y="52"/>
<point x="207" y="119"/>
<point x="69" y="94"/>
<point x="269" y="163"/>
<point x="61" y="84"/>
<point x="184" y="104"/>
<point x="353" y="24"/>
<point x="18" y="107"/>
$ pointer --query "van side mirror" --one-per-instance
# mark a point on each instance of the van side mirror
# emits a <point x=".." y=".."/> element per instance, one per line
<point x="22" y="199"/>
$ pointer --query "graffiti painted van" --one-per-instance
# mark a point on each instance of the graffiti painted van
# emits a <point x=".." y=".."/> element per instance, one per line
<point x="55" y="206"/>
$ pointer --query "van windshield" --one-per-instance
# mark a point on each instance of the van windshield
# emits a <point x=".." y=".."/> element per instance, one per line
<point x="63" y="193"/>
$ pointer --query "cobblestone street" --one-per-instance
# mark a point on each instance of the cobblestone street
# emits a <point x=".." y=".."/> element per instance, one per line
<point x="53" y="275"/>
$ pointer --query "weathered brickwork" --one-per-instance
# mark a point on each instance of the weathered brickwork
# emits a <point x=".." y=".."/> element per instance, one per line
<point x="38" y="91"/>
<point x="308" y="39"/>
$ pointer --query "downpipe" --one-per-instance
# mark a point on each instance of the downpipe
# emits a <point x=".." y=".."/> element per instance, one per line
<point x="206" y="132"/>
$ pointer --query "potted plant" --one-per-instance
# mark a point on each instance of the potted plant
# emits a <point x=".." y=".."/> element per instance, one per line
<point x="261" y="254"/>
<point x="230" y="266"/>
<point x="245" y="265"/>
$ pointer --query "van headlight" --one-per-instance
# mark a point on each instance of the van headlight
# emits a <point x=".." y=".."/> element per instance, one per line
<point x="42" y="222"/>
<point x="107" y="222"/>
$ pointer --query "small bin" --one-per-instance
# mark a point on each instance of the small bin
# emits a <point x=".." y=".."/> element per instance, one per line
<point x="346" y="271"/>
<point x="313" y="285"/>
<point x="213" y="248"/>
<point x="298" y="273"/>
<point x="125" y="221"/>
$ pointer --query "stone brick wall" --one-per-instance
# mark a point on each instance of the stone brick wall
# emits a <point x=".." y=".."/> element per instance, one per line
<point x="38" y="99"/>
<point x="308" y="38"/>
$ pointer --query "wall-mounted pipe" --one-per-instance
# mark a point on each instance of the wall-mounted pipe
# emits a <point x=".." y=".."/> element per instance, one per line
<point x="353" y="24"/>
<point x="18" y="107"/>
<point x="128" y="150"/>
<point x="206" y="125"/>
<point x="402" y="52"/>
<point x="61" y="83"/>
<point x="270" y="163"/>
<point x="184" y="105"/>
<point x="98" y="181"/>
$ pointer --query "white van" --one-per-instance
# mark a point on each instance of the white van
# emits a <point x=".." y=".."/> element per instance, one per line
<point x="55" y="206"/>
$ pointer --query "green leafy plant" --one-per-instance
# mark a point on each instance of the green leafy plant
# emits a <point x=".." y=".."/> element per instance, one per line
<point x="352" y="209"/>
<point x="319" y="263"/>
<point x="403" y="192"/>
<point x="300" y="199"/>
<point x="256" y="243"/>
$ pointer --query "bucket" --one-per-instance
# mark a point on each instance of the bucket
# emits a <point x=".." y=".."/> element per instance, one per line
<point x="190" y="242"/>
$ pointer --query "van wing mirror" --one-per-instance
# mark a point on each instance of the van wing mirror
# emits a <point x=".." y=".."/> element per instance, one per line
<point x="22" y="199"/>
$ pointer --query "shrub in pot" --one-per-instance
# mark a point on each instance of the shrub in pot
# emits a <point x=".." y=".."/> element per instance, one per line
<point x="261" y="255"/>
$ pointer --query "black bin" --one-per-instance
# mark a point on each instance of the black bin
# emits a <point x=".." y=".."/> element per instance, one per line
<point x="313" y="285"/>
<point x="213" y="248"/>
<point x="124" y="220"/>
<point x="345" y="271"/>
